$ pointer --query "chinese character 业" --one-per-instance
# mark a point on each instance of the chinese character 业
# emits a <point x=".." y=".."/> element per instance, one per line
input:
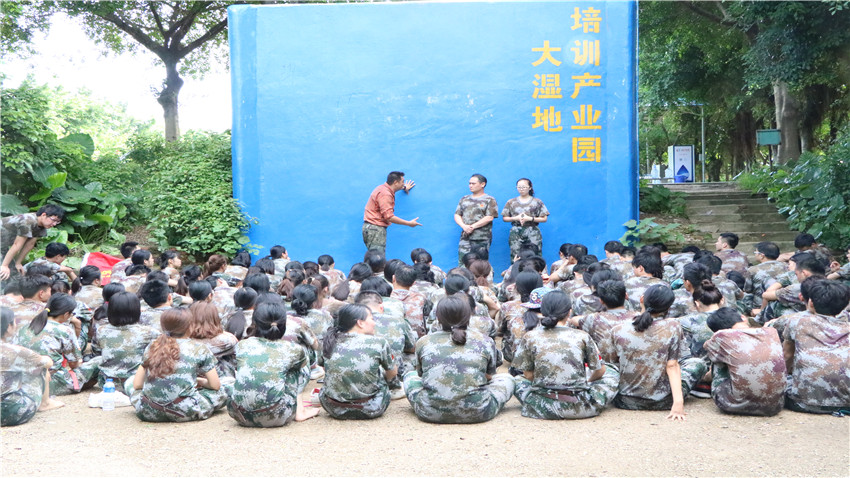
<point x="586" y="118"/>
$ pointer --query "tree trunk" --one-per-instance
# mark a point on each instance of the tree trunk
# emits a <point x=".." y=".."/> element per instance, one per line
<point x="168" y="99"/>
<point x="788" y="122"/>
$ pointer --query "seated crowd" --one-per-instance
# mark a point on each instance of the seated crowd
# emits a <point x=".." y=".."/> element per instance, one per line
<point x="640" y="329"/>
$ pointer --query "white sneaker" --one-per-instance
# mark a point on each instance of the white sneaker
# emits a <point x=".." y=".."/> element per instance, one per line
<point x="397" y="394"/>
<point x="317" y="373"/>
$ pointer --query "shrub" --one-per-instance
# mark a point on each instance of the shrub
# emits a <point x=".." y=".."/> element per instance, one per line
<point x="647" y="231"/>
<point x="657" y="199"/>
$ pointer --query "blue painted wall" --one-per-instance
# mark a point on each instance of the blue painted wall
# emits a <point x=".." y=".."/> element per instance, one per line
<point x="327" y="99"/>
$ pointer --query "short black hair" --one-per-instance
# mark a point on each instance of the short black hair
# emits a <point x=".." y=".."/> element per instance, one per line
<point x="723" y="318"/>
<point x="804" y="239"/>
<point x="32" y="285"/>
<point x="200" y="290"/>
<point x="56" y="249"/>
<point x="614" y="247"/>
<point x="690" y="248"/>
<point x="714" y="263"/>
<point x="769" y="249"/>
<point x="480" y="178"/>
<point x="651" y="264"/>
<point x="405" y="275"/>
<point x="577" y="251"/>
<point x="377" y="284"/>
<point x="829" y="297"/>
<point x="139" y="257"/>
<point x="127" y="248"/>
<point x="51" y="210"/>
<point x="612" y="293"/>
<point x="730" y="238"/>
<point x="394" y="176"/>
<point x="808" y="262"/>
<point x="368" y="297"/>
<point x="375" y="259"/>
<point x="737" y="278"/>
<point x="124" y="309"/>
<point x="154" y="292"/>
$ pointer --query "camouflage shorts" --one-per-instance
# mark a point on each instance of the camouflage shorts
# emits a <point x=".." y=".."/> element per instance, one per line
<point x="554" y="405"/>
<point x="520" y="235"/>
<point x="465" y="245"/>
<point x="375" y="237"/>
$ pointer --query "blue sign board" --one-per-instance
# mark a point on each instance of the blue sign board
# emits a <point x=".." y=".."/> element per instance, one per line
<point x="329" y="98"/>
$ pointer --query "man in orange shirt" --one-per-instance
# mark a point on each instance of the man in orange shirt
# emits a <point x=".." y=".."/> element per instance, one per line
<point x="379" y="212"/>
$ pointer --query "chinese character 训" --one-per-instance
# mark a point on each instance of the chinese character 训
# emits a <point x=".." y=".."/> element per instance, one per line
<point x="585" y="80"/>
<point x="588" y="19"/>
<point x="587" y="149"/>
<point x="586" y="52"/>
<point x="546" y="54"/>
<point x="549" y="119"/>
<point x="547" y="86"/>
<point x="586" y="118"/>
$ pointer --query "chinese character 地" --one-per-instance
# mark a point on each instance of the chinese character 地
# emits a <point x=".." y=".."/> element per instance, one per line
<point x="547" y="86"/>
<point x="584" y="80"/>
<point x="587" y="149"/>
<point x="549" y="119"/>
<point x="586" y="118"/>
<point x="546" y="54"/>
<point x="588" y="19"/>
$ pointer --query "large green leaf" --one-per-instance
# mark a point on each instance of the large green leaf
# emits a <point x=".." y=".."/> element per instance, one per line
<point x="57" y="180"/>
<point x="82" y="139"/>
<point x="104" y="218"/>
<point x="10" y="204"/>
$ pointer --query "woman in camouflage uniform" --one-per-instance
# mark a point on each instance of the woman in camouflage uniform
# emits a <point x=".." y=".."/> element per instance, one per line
<point x="358" y="366"/>
<point x="50" y="334"/>
<point x="90" y="292"/>
<point x="270" y="374"/>
<point x="24" y="378"/>
<point x="181" y="390"/>
<point x="456" y="380"/>
<point x="123" y="340"/>
<point x="206" y="329"/>
<point x="552" y="358"/>
<point x="524" y="213"/>
<point x="654" y="373"/>
<point x="170" y="263"/>
<point x="513" y="327"/>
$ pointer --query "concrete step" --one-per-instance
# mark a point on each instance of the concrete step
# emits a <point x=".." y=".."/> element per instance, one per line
<point x="742" y="227"/>
<point x="699" y="187"/>
<point x="724" y="195"/>
<point x="764" y="208"/>
<point x="749" y="248"/>
<point x="724" y="201"/>
<point x="751" y="218"/>
<point x="772" y="236"/>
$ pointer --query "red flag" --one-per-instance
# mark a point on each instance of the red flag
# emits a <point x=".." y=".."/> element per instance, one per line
<point x="102" y="261"/>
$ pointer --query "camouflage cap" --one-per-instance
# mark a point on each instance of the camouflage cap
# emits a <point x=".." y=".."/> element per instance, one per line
<point x="536" y="297"/>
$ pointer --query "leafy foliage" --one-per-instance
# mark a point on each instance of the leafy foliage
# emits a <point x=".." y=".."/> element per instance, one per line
<point x="813" y="192"/>
<point x="191" y="206"/>
<point x="647" y="231"/>
<point x="657" y="199"/>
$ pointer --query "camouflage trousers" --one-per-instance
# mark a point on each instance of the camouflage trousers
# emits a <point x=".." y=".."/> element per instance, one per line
<point x="363" y="409"/>
<point x="65" y="381"/>
<point x="724" y="397"/>
<point x="693" y="369"/>
<point x="19" y="406"/>
<point x="465" y="245"/>
<point x="275" y="414"/>
<point x="792" y="403"/>
<point x="480" y="406"/>
<point x="200" y="405"/>
<point x="560" y="404"/>
<point x="520" y="235"/>
<point x="375" y="237"/>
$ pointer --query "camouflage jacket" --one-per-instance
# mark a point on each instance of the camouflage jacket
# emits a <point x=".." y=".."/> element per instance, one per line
<point x="355" y="369"/>
<point x="122" y="348"/>
<point x="91" y="295"/>
<point x="267" y="372"/>
<point x="18" y="366"/>
<point x="414" y="304"/>
<point x="533" y="208"/>
<point x="733" y="261"/>
<point x="195" y="361"/>
<point x="696" y="332"/>
<point x="57" y="341"/>
<point x="643" y="357"/>
<point x="635" y="288"/>
<point x="25" y="310"/>
<point x="472" y="209"/>
<point x="821" y="369"/>
<point x="118" y="270"/>
<point x="598" y="325"/>
<point x="674" y="265"/>
<point x="557" y="356"/>
<point x="24" y="225"/>
<point x="150" y="317"/>
<point x="54" y="268"/>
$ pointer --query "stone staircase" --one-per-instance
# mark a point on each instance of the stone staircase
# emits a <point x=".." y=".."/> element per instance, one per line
<point x="724" y="207"/>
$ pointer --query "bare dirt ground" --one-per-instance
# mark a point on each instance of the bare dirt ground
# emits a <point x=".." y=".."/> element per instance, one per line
<point x="81" y="441"/>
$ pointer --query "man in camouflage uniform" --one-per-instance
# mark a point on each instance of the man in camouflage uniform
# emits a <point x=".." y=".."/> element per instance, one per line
<point x="732" y="260"/>
<point x="53" y="260"/>
<point x="748" y="374"/>
<point x="122" y="349"/>
<point x="450" y="385"/>
<point x="157" y="295"/>
<point x="474" y="214"/>
<point x="555" y="384"/>
<point x="18" y="235"/>
<point x="127" y="250"/>
<point x="613" y="259"/>
<point x="765" y="272"/>
<point x="270" y="376"/>
<point x="22" y="374"/>
<point x="356" y="377"/>
<point x="35" y="291"/>
<point x="674" y="264"/>
<point x="397" y="332"/>
<point x="414" y="302"/>
<point x="176" y="398"/>
<point x="599" y="324"/>
<point x="816" y="348"/>
<point x="379" y="212"/>
<point x="648" y="272"/>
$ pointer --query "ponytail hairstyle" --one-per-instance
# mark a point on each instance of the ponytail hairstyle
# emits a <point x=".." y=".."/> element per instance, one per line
<point x="555" y="307"/>
<point x="58" y="304"/>
<point x="707" y="293"/>
<point x="423" y="272"/>
<point x="695" y="273"/>
<point x="88" y="275"/>
<point x="453" y="313"/>
<point x="325" y="262"/>
<point x="310" y="268"/>
<point x="481" y="271"/>
<point x="349" y="314"/>
<point x="205" y="321"/>
<point x="321" y="283"/>
<point x="456" y="283"/>
<point x="214" y="264"/>
<point x="165" y="257"/>
<point x="265" y="264"/>
<point x="124" y="309"/>
<point x="525" y="283"/>
<point x="140" y="256"/>
<point x="292" y="279"/>
<point x="359" y="272"/>
<point x="137" y="269"/>
<point x="190" y="274"/>
<point x="269" y="321"/>
<point x="657" y="301"/>
<point x="109" y="290"/>
<point x="242" y="258"/>
<point x="304" y="298"/>
<point x="164" y="352"/>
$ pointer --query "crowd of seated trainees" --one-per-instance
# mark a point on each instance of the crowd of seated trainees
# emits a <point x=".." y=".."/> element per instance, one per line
<point x="638" y="329"/>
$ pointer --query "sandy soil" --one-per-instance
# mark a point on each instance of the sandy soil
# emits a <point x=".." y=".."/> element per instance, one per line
<point x="92" y="442"/>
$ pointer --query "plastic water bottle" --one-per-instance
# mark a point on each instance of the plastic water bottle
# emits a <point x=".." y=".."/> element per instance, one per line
<point x="107" y="398"/>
